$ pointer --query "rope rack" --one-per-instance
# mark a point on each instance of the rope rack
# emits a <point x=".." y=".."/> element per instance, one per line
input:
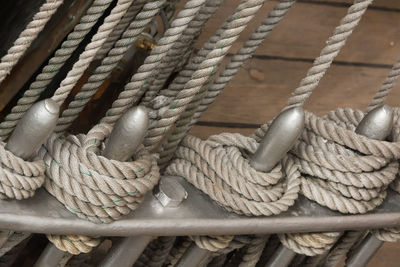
<point x="302" y="190"/>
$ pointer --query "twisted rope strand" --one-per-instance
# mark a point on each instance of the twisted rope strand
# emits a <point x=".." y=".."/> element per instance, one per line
<point x="242" y="15"/>
<point x="108" y="64"/>
<point x="328" y="53"/>
<point x="61" y="55"/>
<point x="86" y="57"/>
<point x="27" y="36"/>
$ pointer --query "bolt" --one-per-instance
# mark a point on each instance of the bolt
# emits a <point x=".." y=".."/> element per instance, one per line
<point x="170" y="192"/>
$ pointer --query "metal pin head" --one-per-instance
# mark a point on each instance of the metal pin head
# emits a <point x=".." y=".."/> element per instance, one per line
<point x="34" y="128"/>
<point x="127" y="135"/>
<point x="170" y="192"/>
<point x="279" y="139"/>
<point x="377" y="124"/>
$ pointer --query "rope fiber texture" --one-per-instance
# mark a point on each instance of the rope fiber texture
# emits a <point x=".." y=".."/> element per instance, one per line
<point x="27" y="36"/>
<point x="54" y="65"/>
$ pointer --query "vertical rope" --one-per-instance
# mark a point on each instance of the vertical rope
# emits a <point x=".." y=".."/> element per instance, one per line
<point x="200" y="103"/>
<point x="386" y="87"/>
<point x="329" y="52"/>
<point x="242" y="15"/>
<point x="26" y="37"/>
<point x="61" y="55"/>
<point x="108" y="64"/>
<point x="90" y="51"/>
<point x="134" y="89"/>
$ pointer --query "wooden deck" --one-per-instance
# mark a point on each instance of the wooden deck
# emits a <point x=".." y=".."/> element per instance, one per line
<point x="262" y="87"/>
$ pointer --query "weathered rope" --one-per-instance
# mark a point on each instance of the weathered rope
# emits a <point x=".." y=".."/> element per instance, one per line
<point x="218" y="168"/>
<point x="74" y="244"/>
<point x="328" y="53"/>
<point x="253" y="250"/>
<point x="234" y="26"/>
<point x="309" y="244"/>
<point x="27" y="36"/>
<point x="61" y="55"/>
<point x="92" y="186"/>
<point x="199" y="104"/>
<point x="19" y="179"/>
<point x="108" y="64"/>
<point x="86" y="57"/>
<point x="133" y="90"/>
<point x="122" y="25"/>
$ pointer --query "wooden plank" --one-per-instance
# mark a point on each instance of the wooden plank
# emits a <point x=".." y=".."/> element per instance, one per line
<point x="248" y="100"/>
<point x="303" y="32"/>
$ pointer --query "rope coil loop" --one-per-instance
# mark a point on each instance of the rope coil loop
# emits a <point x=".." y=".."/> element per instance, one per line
<point x="19" y="179"/>
<point x="94" y="187"/>
<point x="219" y="169"/>
<point x="74" y="244"/>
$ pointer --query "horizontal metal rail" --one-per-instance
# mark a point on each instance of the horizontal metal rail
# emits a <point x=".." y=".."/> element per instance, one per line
<point x="197" y="215"/>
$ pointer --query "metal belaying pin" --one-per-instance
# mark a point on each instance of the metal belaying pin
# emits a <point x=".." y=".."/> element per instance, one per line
<point x="33" y="129"/>
<point x="126" y="136"/>
<point x="377" y="124"/>
<point x="279" y="139"/>
<point x="282" y="134"/>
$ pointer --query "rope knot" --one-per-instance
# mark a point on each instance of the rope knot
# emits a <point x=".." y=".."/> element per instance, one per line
<point x="220" y="169"/>
<point x="19" y="179"/>
<point x="94" y="187"/>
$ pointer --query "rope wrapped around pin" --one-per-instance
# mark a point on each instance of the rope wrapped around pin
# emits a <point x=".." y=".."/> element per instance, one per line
<point x="21" y="171"/>
<point x="310" y="244"/>
<point x="341" y="169"/>
<point x="92" y="186"/>
<point x="220" y="169"/>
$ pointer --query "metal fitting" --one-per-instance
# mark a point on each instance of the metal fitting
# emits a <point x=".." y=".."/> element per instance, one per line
<point x="170" y="192"/>
<point x="377" y="123"/>
<point x="146" y="42"/>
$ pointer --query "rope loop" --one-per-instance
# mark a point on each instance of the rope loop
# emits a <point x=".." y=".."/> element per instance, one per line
<point x="213" y="243"/>
<point x="341" y="169"/>
<point x="94" y="187"/>
<point x="387" y="234"/>
<point x="309" y="244"/>
<point x="219" y="167"/>
<point x="74" y="244"/>
<point x="19" y="179"/>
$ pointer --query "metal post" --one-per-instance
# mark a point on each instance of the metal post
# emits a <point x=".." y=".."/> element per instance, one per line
<point x="31" y="132"/>
<point x="377" y="124"/>
<point x="127" y="135"/>
<point x="364" y="252"/>
<point x="278" y="140"/>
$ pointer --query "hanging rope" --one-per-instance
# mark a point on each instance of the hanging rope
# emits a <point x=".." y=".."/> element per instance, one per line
<point x="61" y="55"/>
<point x="27" y="36"/>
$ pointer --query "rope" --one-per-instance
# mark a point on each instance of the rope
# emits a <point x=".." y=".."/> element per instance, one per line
<point x="74" y="244"/>
<point x="54" y="65"/>
<point x="121" y="27"/>
<point x="86" y="57"/>
<point x="27" y="36"/>
<point x="253" y="251"/>
<point x="309" y="244"/>
<point x="188" y="118"/>
<point x="92" y="186"/>
<point x="218" y="168"/>
<point x="212" y="243"/>
<point x="328" y="53"/>
<point x="108" y="64"/>
<point x="19" y="179"/>
<point x="133" y="90"/>
<point x="235" y="25"/>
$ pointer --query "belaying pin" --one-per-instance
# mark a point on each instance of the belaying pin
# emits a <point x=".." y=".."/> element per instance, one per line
<point x="128" y="133"/>
<point x="377" y="124"/>
<point x="33" y="129"/>
<point x="279" y="139"/>
<point x="282" y="134"/>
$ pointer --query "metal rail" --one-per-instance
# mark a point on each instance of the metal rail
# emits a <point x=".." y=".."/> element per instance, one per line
<point x="197" y="215"/>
